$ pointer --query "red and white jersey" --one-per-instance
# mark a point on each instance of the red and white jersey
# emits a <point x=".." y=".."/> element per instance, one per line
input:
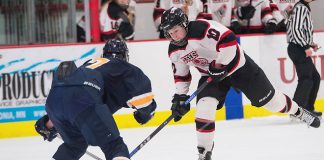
<point x="262" y="12"/>
<point x="191" y="7"/>
<point x="111" y="16"/>
<point x="207" y="41"/>
<point x="221" y="11"/>
<point x="282" y="8"/>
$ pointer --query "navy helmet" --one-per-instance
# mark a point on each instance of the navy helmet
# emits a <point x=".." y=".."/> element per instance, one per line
<point x="115" y="49"/>
<point x="173" y="17"/>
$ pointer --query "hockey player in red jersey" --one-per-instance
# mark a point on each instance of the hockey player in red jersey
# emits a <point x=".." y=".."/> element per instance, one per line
<point x="213" y="50"/>
<point x="115" y="21"/>
<point x="281" y="9"/>
<point x="192" y="8"/>
<point x="256" y="16"/>
<point x="223" y="11"/>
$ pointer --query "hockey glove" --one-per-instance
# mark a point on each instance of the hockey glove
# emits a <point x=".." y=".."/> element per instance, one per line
<point x="235" y="27"/>
<point x="143" y="115"/>
<point x="246" y="12"/>
<point x="219" y="73"/>
<point x="40" y="127"/>
<point x="270" y="27"/>
<point x="126" y="30"/>
<point x="178" y="108"/>
<point x="281" y="26"/>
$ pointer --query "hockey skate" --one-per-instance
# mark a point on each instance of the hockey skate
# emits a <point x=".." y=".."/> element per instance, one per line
<point x="308" y="117"/>
<point x="318" y="114"/>
<point x="203" y="154"/>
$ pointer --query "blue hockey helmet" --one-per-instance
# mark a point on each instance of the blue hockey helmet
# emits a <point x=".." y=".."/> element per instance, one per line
<point x="115" y="49"/>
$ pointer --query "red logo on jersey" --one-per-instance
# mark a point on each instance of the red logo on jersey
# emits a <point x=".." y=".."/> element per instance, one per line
<point x="201" y="61"/>
<point x="189" y="57"/>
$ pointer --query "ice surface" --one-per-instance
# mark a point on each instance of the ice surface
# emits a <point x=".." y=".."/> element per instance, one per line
<point x="271" y="138"/>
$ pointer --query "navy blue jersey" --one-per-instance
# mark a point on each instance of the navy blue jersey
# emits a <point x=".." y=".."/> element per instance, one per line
<point x="124" y="84"/>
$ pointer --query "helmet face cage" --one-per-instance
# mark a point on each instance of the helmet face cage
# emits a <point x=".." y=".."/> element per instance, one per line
<point x="116" y="49"/>
<point x="171" y="18"/>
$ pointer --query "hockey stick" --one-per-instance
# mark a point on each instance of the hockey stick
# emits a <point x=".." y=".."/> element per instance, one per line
<point x="169" y="118"/>
<point x="248" y="23"/>
<point x="87" y="152"/>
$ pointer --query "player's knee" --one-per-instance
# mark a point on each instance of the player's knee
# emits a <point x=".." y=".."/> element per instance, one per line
<point x="206" y="108"/>
<point x="277" y="102"/>
<point x="115" y="148"/>
<point x="120" y="158"/>
<point x="70" y="151"/>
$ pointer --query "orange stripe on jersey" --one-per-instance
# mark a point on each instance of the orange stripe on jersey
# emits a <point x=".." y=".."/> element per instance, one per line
<point x="142" y="100"/>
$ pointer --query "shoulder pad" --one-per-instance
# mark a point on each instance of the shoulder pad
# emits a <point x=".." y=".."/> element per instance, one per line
<point x="197" y="29"/>
<point x="173" y="48"/>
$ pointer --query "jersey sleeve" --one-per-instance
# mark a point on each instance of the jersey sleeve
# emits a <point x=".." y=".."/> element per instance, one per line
<point x="181" y="71"/>
<point x="137" y="84"/>
<point x="223" y="42"/>
<point x="157" y="12"/>
<point x="276" y="12"/>
<point x="266" y="13"/>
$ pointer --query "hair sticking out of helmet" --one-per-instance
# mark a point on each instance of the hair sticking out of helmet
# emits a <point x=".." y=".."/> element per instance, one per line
<point x="115" y="49"/>
<point x="171" y="18"/>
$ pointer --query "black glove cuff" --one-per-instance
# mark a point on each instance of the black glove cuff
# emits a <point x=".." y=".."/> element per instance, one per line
<point x="179" y="97"/>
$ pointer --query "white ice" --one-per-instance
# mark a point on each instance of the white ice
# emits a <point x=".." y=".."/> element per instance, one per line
<point x="270" y="138"/>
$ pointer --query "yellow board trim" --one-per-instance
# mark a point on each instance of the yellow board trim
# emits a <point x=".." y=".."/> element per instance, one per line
<point x="23" y="129"/>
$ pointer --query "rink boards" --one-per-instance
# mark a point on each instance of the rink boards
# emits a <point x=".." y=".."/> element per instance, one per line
<point x="26" y="74"/>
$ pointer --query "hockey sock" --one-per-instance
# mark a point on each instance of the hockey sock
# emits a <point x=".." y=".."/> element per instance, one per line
<point x="281" y="103"/>
<point x="205" y="121"/>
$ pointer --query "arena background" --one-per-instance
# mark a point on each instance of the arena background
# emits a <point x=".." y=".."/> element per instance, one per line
<point x="26" y="70"/>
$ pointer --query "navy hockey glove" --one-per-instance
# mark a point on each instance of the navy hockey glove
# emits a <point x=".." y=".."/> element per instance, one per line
<point x="270" y="27"/>
<point x="143" y="115"/>
<point x="178" y="108"/>
<point x="217" y="74"/>
<point x="246" y="12"/>
<point x="40" y="127"/>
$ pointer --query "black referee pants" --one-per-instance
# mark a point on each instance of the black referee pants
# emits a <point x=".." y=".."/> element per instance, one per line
<point x="308" y="77"/>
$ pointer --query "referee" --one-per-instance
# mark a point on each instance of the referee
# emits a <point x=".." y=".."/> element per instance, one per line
<point x="300" y="50"/>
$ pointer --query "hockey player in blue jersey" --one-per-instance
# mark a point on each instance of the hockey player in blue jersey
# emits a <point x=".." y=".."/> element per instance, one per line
<point x="82" y="101"/>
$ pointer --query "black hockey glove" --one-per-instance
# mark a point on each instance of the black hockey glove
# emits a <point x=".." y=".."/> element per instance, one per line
<point x="40" y="127"/>
<point x="281" y="26"/>
<point x="218" y="74"/>
<point x="126" y="30"/>
<point x="235" y="27"/>
<point x="178" y="108"/>
<point x="246" y="12"/>
<point x="143" y="115"/>
<point x="270" y="27"/>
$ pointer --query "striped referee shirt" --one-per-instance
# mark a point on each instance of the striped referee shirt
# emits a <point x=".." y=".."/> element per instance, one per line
<point x="300" y="26"/>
